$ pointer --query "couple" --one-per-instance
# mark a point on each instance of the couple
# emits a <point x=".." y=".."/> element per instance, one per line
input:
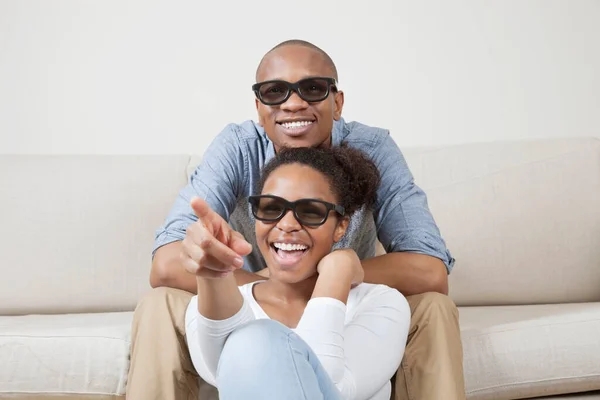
<point x="299" y="106"/>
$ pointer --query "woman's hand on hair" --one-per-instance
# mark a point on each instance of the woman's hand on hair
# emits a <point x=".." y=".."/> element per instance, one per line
<point x="343" y="263"/>
<point x="339" y="271"/>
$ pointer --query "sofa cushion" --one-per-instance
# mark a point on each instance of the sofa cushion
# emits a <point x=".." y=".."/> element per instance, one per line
<point x="65" y="354"/>
<point x="515" y="352"/>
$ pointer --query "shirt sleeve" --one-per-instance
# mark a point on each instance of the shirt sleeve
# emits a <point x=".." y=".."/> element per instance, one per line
<point x="362" y="355"/>
<point x="218" y="179"/>
<point x="404" y="221"/>
<point x="206" y="338"/>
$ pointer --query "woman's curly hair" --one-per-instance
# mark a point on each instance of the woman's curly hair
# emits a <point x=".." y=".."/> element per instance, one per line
<point x="353" y="177"/>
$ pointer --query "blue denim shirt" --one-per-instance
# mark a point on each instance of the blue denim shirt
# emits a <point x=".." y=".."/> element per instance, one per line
<point x="230" y="170"/>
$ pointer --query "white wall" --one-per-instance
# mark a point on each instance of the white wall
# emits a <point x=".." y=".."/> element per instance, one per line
<point x="125" y="76"/>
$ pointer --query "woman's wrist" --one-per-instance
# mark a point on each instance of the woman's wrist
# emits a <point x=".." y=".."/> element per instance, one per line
<point x="333" y="282"/>
<point x="343" y="262"/>
<point x="210" y="284"/>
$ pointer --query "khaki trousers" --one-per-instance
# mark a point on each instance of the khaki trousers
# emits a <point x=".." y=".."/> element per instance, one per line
<point x="161" y="368"/>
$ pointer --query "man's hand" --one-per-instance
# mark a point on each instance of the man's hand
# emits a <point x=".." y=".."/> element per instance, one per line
<point x="344" y="262"/>
<point x="211" y="249"/>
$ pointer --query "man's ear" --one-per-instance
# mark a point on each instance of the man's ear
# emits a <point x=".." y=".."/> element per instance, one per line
<point x="340" y="229"/>
<point x="338" y="105"/>
<point x="260" y="118"/>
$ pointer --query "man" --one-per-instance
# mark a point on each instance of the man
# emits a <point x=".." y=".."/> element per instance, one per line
<point x="298" y="104"/>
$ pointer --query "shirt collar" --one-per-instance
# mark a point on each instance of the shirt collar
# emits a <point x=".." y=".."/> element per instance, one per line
<point x="337" y="134"/>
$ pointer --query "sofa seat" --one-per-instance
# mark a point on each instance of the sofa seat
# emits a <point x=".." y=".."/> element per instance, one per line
<point x="577" y="396"/>
<point x="526" y="351"/>
<point x="510" y="352"/>
<point x="65" y="354"/>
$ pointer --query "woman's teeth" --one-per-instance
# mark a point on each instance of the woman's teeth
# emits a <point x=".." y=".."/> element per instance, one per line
<point x="290" y="247"/>
<point x="296" y="124"/>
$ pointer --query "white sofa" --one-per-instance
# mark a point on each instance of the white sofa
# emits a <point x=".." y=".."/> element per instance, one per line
<point x="521" y="218"/>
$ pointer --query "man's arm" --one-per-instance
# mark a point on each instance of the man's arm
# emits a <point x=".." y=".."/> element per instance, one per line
<point x="219" y="179"/>
<point x="417" y="259"/>
<point x="409" y="273"/>
<point x="168" y="271"/>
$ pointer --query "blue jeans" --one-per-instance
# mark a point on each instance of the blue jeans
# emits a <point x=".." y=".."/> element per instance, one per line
<point x="265" y="360"/>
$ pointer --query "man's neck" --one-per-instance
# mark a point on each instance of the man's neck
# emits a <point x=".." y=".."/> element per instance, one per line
<point x="326" y="144"/>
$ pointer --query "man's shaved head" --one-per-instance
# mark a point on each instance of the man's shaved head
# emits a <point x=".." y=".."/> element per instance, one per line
<point x="303" y="43"/>
<point x="292" y="61"/>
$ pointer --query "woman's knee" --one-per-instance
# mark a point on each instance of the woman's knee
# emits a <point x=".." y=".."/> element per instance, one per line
<point x="253" y="344"/>
<point x="260" y="333"/>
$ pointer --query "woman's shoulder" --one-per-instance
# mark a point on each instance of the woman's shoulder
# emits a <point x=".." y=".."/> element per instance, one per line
<point x="247" y="289"/>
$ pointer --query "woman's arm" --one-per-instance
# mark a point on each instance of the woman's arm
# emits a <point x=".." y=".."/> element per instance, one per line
<point x="374" y="341"/>
<point x="361" y="356"/>
<point x="211" y="316"/>
<point x="218" y="299"/>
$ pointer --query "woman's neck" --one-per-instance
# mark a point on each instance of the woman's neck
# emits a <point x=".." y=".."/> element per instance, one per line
<point x="283" y="293"/>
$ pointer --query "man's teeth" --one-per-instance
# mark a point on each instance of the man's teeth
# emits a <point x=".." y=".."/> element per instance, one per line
<point x="296" y="124"/>
<point x="289" y="246"/>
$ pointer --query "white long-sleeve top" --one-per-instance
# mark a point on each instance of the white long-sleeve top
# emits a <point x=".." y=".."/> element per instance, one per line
<point x="360" y="344"/>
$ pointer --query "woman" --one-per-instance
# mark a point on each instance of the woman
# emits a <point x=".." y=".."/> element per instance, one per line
<point x="313" y="330"/>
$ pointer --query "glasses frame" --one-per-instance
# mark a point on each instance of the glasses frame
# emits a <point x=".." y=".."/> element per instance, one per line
<point x="291" y="205"/>
<point x="294" y="87"/>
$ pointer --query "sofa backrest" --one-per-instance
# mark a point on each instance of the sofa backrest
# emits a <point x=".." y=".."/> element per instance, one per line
<point x="77" y="231"/>
<point x="522" y="219"/>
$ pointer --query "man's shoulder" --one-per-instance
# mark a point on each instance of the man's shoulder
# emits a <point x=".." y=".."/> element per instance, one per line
<point x="244" y="139"/>
<point x="243" y="131"/>
<point x="362" y="136"/>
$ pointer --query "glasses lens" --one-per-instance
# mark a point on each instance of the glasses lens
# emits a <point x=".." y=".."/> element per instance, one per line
<point x="311" y="212"/>
<point x="267" y="208"/>
<point x="273" y="92"/>
<point x="314" y="89"/>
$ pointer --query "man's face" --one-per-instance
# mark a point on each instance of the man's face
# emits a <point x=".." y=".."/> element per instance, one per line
<point x="313" y="122"/>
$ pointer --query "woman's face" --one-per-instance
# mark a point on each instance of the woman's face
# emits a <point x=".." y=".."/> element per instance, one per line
<point x="306" y="245"/>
